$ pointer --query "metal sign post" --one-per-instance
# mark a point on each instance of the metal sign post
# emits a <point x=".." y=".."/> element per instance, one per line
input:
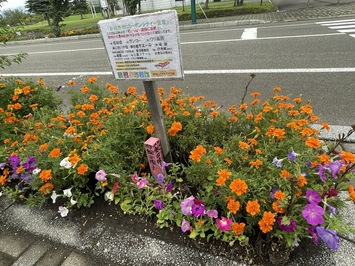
<point x="146" y="47"/>
<point x="193" y="12"/>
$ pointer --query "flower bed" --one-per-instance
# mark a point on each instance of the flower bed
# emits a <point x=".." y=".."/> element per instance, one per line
<point x="253" y="173"/>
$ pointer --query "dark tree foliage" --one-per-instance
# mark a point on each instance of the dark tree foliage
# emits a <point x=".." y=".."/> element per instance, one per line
<point x="79" y="7"/>
<point x="39" y="7"/>
<point x="57" y="11"/>
<point x="131" y="6"/>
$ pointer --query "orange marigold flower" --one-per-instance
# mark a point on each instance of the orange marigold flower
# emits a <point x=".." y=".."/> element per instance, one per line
<point x="74" y="159"/>
<point x="214" y="113"/>
<point x="255" y="94"/>
<point x="150" y="129"/>
<point x="238" y="186"/>
<point x="297" y="100"/>
<point x="277" y="89"/>
<point x="41" y="82"/>
<point x="258" y="151"/>
<point x="82" y="169"/>
<point x="306" y="109"/>
<point x="92" y="80"/>
<point x="71" y="82"/>
<point x="2" y="180"/>
<point x="55" y="153"/>
<point x="233" y="206"/>
<point x="208" y="162"/>
<point x="253" y="207"/>
<point x="43" y="147"/>
<point x="243" y="145"/>
<point x="253" y="141"/>
<point x="301" y="181"/>
<point x="254" y="102"/>
<point x="351" y="192"/>
<point x="267" y="222"/>
<point x="279" y="195"/>
<point x="84" y="89"/>
<point x="276" y="207"/>
<point x="285" y="174"/>
<point x="93" y="98"/>
<point x="228" y="161"/>
<point x="324" y="158"/>
<point x="348" y="157"/>
<point x="325" y="126"/>
<point x="132" y="90"/>
<point x="313" y="142"/>
<point x="198" y="114"/>
<point x="81" y="114"/>
<point x="14" y="143"/>
<point x="307" y="132"/>
<point x="17" y="106"/>
<point x="238" y="228"/>
<point x="186" y="113"/>
<point x="257" y="163"/>
<point x="175" y="128"/>
<point x="45" y="175"/>
<point x="199" y="223"/>
<point x="70" y="130"/>
<point x="6" y="141"/>
<point x="46" y="188"/>
<point x="197" y="153"/>
<point x="243" y="106"/>
<point x="218" y="150"/>
<point x="223" y="176"/>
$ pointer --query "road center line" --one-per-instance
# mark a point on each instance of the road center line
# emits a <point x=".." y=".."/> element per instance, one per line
<point x="199" y="72"/>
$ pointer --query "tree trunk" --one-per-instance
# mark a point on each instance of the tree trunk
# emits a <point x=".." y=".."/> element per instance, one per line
<point x="206" y="4"/>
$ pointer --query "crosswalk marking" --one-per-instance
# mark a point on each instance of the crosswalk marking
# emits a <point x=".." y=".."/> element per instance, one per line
<point x="343" y="26"/>
<point x="250" y="33"/>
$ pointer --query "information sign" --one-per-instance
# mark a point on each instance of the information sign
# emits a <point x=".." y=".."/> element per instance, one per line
<point x="144" y="47"/>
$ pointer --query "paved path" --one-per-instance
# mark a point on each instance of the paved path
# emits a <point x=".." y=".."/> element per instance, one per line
<point x="39" y="237"/>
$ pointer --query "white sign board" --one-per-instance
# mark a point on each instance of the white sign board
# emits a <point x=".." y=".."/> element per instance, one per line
<point x="144" y="47"/>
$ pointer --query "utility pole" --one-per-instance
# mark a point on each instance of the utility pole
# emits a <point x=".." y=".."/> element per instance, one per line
<point x="193" y="12"/>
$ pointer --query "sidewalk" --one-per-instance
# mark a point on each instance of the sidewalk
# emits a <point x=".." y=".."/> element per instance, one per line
<point x="97" y="236"/>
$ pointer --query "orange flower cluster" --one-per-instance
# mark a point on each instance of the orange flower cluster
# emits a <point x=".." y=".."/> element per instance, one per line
<point x="267" y="222"/>
<point x="175" y="128"/>
<point x="301" y="181"/>
<point x="233" y="205"/>
<point x="243" y="145"/>
<point x="45" y="175"/>
<point x="238" y="186"/>
<point x="223" y="176"/>
<point x="348" y="157"/>
<point x="150" y="129"/>
<point x="46" y="188"/>
<point x="257" y="163"/>
<point x="238" y="228"/>
<point x="279" y="195"/>
<point x="82" y="169"/>
<point x="313" y="142"/>
<point x="218" y="150"/>
<point x="351" y="192"/>
<point x="55" y="153"/>
<point x="253" y="207"/>
<point x="279" y="133"/>
<point x="197" y="153"/>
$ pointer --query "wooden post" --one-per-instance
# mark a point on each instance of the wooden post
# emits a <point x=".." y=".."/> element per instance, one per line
<point x="157" y="117"/>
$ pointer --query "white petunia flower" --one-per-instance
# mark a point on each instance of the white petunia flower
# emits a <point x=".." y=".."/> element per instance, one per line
<point x="109" y="196"/>
<point x="54" y="196"/>
<point x="72" y="202"/>
<point x="36" y="171"/>
<point x="65" y="163"/>
<point x="67" y="192"/>
<point x="63" y="211"/>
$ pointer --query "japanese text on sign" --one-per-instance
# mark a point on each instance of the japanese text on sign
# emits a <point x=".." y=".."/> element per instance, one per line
<point x="144" y="46"/>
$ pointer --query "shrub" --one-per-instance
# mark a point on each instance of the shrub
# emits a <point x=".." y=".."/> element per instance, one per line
<point x="253" y="171"/>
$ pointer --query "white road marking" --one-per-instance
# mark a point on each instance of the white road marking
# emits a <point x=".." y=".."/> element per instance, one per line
<point x="336" y="21"/>
<point x="343" y="26"/>
<point x="199" y="72"/>
<point x="250" y="33"/>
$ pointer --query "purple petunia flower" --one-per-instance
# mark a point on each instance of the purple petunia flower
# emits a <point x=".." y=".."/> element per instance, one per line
<point x="30" y="164"/>
<point x="291" y="227"/>
<point x="292" y="155"/>
<point x="328" y="236"/>
<point x="313" y="214"/>
<point x="321" y="171"/>
<point x="14" y="162"/>
<point x="224" y="224"/>
<point x="313" y="196"/>
<point x="334" y="168"/>
<point x="198" y="210"/>
<point x="160" y="178"/>
<point x="101" y="175"/>
<point x="185" y="226"/>
<point x="164" y="165"/>
<point x="212" y="213"/>
<point x="315" y="238"/>
<point x="277" y="162"/>
<point x="186" y="205"/>
<point x="332" y="210"/>
<point x="273" y="191"/>
<point x="142" y="183"/>
<point x="158" y="204"/>
<point x="2" y="166"/>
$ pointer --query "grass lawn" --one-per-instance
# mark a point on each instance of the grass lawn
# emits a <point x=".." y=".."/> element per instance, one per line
<point x="74" y="25"/>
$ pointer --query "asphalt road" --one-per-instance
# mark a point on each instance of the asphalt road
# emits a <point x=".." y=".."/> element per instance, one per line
<point x="303" y="58"/>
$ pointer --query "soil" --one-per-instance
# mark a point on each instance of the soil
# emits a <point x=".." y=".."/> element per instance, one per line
<point x="112" y="216"/>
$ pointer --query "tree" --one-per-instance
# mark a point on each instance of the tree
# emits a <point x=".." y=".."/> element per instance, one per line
<point x="80" y="6"/>
<point x="39" y="7"/>
<point x="131" y="6"/>
<point x="206" y="4"/>
<point x="57" y="11"/>
<point x="238" y="2"/>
